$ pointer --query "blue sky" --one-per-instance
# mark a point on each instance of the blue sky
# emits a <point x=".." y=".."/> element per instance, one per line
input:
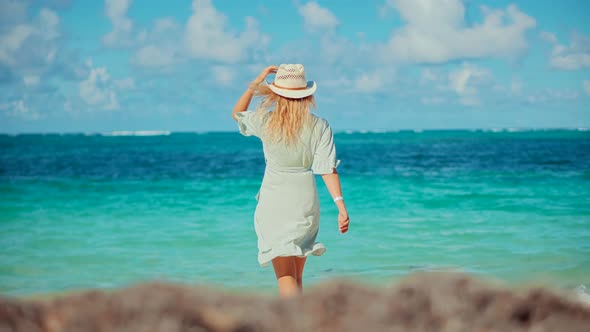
<point x="95" y="66"/>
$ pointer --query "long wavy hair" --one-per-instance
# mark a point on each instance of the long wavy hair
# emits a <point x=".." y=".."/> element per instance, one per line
<point x="288" y="116"/>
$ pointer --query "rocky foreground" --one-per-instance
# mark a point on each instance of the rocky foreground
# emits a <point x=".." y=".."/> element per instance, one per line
<point x="421" y="302"/>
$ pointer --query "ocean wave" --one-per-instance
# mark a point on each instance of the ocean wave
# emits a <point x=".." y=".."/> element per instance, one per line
<point x="583" y="294"/>
<point x="138" y="133"/>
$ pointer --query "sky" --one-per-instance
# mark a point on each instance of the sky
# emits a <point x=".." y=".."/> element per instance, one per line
<point x="180" y="65"/>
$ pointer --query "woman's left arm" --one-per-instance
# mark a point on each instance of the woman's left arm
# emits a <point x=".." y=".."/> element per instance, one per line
<point x="246" y="98"/>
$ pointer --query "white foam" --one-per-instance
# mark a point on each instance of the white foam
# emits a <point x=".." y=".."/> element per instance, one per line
<point x="138" y="133"/>
<point x="583" y="295"/>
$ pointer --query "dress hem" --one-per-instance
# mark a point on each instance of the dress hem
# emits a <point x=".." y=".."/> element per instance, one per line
<point x="265" y="258"/>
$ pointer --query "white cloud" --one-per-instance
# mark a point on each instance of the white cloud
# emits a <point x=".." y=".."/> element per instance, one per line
<point x="30" y="42"/>
<point x="459" y="79"/>
<point x="548" y="37"/>
<point x="383" y="9"/>
<point x="368" y="82"/>
<point x="574" y="56"/>
<point x="12" y="12"/>
<point x="586" y="86"/>
<point x="338" y="82"/>
<point x="161" y="46"/>
<point x="436" y="32"/>
<point x="464" y="83"/>
<point x="31" y="80"/>
<point x="516" y="85"/>
<point x="263" y="10"/>
<point x="336" y="50"/>
<point x="428" y="75"/>
<point x="207" y="37"/>
<point x="377" y="80"/>
<point x="165" y="24"/>
<point x="100" y="90"/>
<point x="68" y="108"/>
<point x="97" y="90"/>
<point x="12" y="41"/>
<point x="154" y="56"/>
<point x="57" y="4"/>
<point x="223" y="75"/>
<point x="154" y="48"/>
<point x="432" y="100"/>
<point x="317" y="18"/>
<point x="19" y="109"/>
<point x="436" y="78"/>
<point x="33" y="59"/>
<point x="121" y="35"/>
<point x="125" y="83"/>
<point x="48" y="24"/>
<point x="470" y="101"/>
<point x="549" y="95"/>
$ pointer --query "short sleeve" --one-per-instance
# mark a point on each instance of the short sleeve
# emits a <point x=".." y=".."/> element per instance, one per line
<point x="324" y="159"/>
<point x="249" y="123"/>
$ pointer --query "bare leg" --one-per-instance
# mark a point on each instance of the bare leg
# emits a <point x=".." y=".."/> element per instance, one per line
<point x="299" y="265"/>
<point x="286" y="273"/>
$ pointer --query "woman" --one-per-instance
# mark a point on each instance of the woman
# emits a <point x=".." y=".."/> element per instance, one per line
<point x="297" y="145"/>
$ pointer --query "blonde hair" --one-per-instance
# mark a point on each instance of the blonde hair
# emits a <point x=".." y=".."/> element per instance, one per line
<point x="288" y="117"/>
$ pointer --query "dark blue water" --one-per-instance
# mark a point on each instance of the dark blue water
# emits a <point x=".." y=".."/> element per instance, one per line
<point x="103" y="211"/>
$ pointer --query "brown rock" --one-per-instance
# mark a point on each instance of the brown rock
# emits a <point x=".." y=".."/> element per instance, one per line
<point x="421" y="302"/>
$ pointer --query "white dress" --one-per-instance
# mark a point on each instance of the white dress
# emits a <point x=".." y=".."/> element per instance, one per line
<point x="287" y="216"/>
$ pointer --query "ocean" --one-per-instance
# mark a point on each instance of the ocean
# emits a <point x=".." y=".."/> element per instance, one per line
<point x="109" y="210"/>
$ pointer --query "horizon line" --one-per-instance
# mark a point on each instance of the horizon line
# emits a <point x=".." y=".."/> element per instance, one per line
<point x="158" y="132"/>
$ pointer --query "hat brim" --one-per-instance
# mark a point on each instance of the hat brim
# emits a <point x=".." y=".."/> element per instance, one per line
<point x="294" y="94"/>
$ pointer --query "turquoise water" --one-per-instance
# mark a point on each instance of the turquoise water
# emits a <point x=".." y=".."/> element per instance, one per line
<point x="80" y="211"/>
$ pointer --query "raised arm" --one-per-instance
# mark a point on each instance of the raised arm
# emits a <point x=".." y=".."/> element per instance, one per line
<point x="246" y="98"/>
<point x="332" y="182"/>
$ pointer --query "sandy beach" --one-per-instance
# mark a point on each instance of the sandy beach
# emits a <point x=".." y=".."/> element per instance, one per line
<point x="419" y="302"/>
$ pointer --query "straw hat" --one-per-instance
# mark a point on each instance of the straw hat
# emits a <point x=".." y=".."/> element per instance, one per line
<point x="290" y="82"/>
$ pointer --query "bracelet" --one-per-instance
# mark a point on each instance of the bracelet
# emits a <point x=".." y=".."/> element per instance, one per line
<point x="339" y="198"/>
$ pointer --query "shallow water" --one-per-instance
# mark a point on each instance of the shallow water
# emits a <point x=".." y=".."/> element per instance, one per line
<point x="81" y="211"/>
